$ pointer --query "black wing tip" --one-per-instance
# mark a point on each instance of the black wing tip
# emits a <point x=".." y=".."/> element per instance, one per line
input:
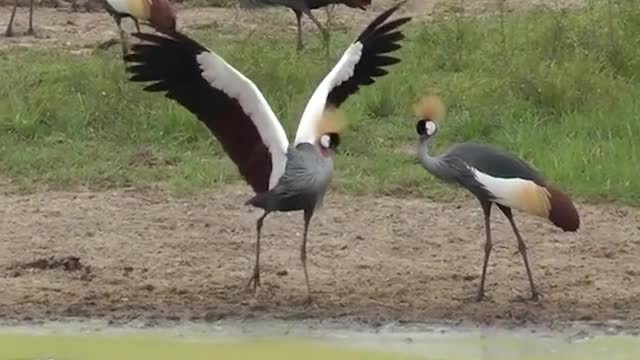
<point x="147" y="36"/>
<point x="387" y="13"/>
<point x="381" y="19"/>
<point x="129" y="58"/>
<point x="403" y="20"/>
<point x="396" y="6"/>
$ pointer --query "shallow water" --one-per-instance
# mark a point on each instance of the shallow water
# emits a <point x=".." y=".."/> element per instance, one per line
<point x="285" y="339"/>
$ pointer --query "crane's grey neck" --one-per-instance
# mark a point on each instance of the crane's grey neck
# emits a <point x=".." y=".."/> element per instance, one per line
<point x="426" y="159"/>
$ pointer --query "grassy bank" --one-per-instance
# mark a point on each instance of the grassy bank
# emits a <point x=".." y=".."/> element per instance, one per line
<point x="557" y="88"/>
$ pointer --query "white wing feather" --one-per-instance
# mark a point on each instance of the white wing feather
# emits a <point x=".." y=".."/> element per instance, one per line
<point x="315" y="107"/>
<point x="233" y="83"/>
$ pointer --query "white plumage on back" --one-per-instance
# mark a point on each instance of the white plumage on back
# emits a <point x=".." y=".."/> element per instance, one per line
<point x="515" y="193"/>
<point x="223" y="76"/>
<point x="307" y="129"/>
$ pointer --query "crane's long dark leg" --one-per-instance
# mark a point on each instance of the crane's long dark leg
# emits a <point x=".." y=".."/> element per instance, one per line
<point x="486" y="209"/>
<point x="325" y="32"/>
<point x="255" y="278"/>
<point x="135" y="22"/>
<point x="123" y="36"/>
<point x="30" y="31"/>
<point x="522" y="247"/>
<point x="9" y="31"/>
<point x="303" y="251"/>
<point x="299" y="20"/>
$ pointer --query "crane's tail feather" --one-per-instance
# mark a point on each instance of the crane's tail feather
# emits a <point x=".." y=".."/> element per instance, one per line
<point x="535" y="198"/>
<point x="548" y="202"/>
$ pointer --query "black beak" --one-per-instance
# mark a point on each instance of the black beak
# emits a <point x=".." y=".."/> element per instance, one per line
<point x="362" y="8"/>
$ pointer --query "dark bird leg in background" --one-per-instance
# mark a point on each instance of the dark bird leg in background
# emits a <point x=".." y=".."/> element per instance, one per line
<point x="255" y="278"/>
<point x="523" y="250"/>
<point x="135" y="21"/>
<point x="325" y="33"/>
<point x="30" y="31"/>
<point x="308" y="213"/>
<point x="299" y="19"/>
<point x="486" y="208"/>
<point x="9" y="31"/>
<point x="123" y="37"/>
<point x="329" y="9"/>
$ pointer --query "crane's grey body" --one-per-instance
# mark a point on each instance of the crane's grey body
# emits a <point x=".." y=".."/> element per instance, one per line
<point x="303" y="185"/>
<point x="454" y="167"/>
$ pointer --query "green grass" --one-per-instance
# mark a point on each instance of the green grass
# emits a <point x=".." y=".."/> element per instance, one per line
<point x="558" y="89"/>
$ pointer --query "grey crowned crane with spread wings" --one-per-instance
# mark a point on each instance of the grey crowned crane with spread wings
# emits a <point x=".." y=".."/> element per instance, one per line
<point x="493" y="176"/>
<point x="284" y="177"/>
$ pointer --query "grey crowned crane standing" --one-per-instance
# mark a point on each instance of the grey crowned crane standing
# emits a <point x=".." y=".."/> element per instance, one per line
<point x="159" y="13"/>
<point x="300" y="7"/>
<point x="284" y="177"/>
<point x="496" y="177"/>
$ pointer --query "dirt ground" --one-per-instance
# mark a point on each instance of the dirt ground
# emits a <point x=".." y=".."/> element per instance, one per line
<point x="143" y="254"/>
<point x="77" y="31"/>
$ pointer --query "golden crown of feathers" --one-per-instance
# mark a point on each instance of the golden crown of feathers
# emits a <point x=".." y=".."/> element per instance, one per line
<point x="430" y="107"/>
<point x="332" y="121"/>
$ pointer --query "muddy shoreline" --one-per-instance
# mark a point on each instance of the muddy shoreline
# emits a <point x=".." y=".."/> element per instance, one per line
<point x="569" y="332"/>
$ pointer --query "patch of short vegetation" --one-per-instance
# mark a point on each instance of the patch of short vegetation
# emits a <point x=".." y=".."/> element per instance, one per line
<point x="558" y="89"/>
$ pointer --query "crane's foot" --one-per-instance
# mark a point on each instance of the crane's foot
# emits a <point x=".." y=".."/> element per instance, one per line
<point x="30" y="31"/>
<point x="8" y="33"/>
<point x="308" y="301"/>
<point x="481" y="296"/>
<point x="254" y="280"/>
<point x="536" y="296"/>
<point x="107" y="44"/>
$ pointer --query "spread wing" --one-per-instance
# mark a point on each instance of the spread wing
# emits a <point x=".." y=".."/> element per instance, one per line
<point x="362" y="62"/>
<point x="228" y="103"/>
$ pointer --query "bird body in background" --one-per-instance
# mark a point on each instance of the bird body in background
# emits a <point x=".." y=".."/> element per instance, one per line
<point x="493" y="176"/>
<point x="300" y="7"/>
<point x="159" y="13"/>
<point x="285" y="177"/>
<point x="9" y="31"/>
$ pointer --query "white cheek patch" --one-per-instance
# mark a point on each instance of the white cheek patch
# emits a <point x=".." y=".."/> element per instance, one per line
<point x="325" y="141"/>
<point x="431" y="127"/>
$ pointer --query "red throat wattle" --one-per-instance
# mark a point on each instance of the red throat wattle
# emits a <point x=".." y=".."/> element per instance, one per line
<point x="324" y="151"/>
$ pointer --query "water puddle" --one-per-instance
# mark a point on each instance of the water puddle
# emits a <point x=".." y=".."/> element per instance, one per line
<point x="311" y="339"/>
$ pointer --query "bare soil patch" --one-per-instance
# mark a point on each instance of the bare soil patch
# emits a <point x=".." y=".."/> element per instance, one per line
<point x="143" y="254"/>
